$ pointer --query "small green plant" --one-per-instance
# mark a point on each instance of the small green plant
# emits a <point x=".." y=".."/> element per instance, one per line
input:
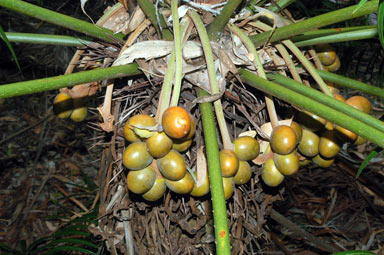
<point x="72" y="237"/>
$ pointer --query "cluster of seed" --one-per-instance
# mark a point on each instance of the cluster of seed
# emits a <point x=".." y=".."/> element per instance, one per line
<point x="164" y="149"/>
<point x="148" y="147"/>
<point x="234" y="166"/>
<point x="64" y="106"/>
<point x="314" y="140"/>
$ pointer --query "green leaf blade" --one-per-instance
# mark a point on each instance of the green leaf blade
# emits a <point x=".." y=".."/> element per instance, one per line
<point x="361" y="3"/>
<point x="4" y="37"/>
<point x="363" y="165"/>
<point x="380" y="24"/>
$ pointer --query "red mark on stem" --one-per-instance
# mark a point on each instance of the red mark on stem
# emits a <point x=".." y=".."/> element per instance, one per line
<point x="222" y="233"/>
<point x="339" y="29"/>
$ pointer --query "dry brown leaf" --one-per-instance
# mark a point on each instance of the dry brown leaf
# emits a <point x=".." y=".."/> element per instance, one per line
<point x="201" y="167"/>
<point x="267" y="127"/>
<point x="83" y="90"/>
<point x="239" y="49"/>
<point x="156" y="49"/>
<point x="208" y="99"/>
<point x="279" y="21"/>
<point x="226" y="63"/>
<point x="200" y="79"/>
<point x="8" y="118"/>
<point x="117" y="20"/>
<point x="262" y="158"/>
<point x="105" y="111"/>
<point x="251" y="133"/>
<point x="135" y="21"/>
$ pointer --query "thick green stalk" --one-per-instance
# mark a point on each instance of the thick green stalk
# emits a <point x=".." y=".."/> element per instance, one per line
<point x="315" y="22"/>
<point x="39" y="85"/>
<point x="327" y="31"/>
<point x="327" y="100"/>
<point x="281" y="3"/>
<point x="351" y="83"/>
<point x="215" y="29"/>
<point x="313" y="106"/>
<point x="47" y="39"/>
<point x="215" y="178"/>
<point x="149" y="10"/>
<point x="61" y="20"/>
<point x="342" y="37"/>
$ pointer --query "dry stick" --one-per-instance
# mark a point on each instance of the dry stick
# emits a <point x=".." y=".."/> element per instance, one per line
<point x="22" y="131"/>
<point x="314" y="241"/>
<point x="74" y="200"/>
<point x="128" y="231"/>
<point x="74" y="60"/>
<point x="275" y="238"/>
<point x="330" y="208"/>
<point x="135" y="34"/>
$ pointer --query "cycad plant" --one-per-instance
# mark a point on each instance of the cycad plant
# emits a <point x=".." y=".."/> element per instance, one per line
<point x="256" y="44"/>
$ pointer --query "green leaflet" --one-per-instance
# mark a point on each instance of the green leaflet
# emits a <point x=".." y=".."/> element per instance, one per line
<point x="74" y="241"/>
<point x="69" y="249"/>
<point x="363" y="165"/>
<point x="361" y="3"/>
<point x="3" y="36"/>
<point x="353" y="253"/>
<point x="380" y="20"/>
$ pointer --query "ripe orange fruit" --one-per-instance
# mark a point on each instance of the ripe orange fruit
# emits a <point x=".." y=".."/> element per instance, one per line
<point x="176" y="122"/>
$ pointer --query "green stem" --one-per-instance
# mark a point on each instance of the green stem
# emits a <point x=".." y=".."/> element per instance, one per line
<point x="166" y="89"/>
<point x="260" y="70"/>
<point x="329" y="101"/>
<point x="313" y="106"/>
<point x="212" y="77"/>
<point x="149" y="10"/>
<point x="61" y="20"/>
<point x="351" y="83"/>
<point x="315" y="22"/>
<point x="47" y="39"/>
<point x="39" y="85"/>
<point x="362" y="34"/>
<point x="282" y="4"/>
<point x="215" y="29"/>
<point x="179" y="56"/>
<point x="327" y="31"/>
<point x="288" y="61"/>
<point x="308" y="65"/>
<point x="215" y="178"/>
